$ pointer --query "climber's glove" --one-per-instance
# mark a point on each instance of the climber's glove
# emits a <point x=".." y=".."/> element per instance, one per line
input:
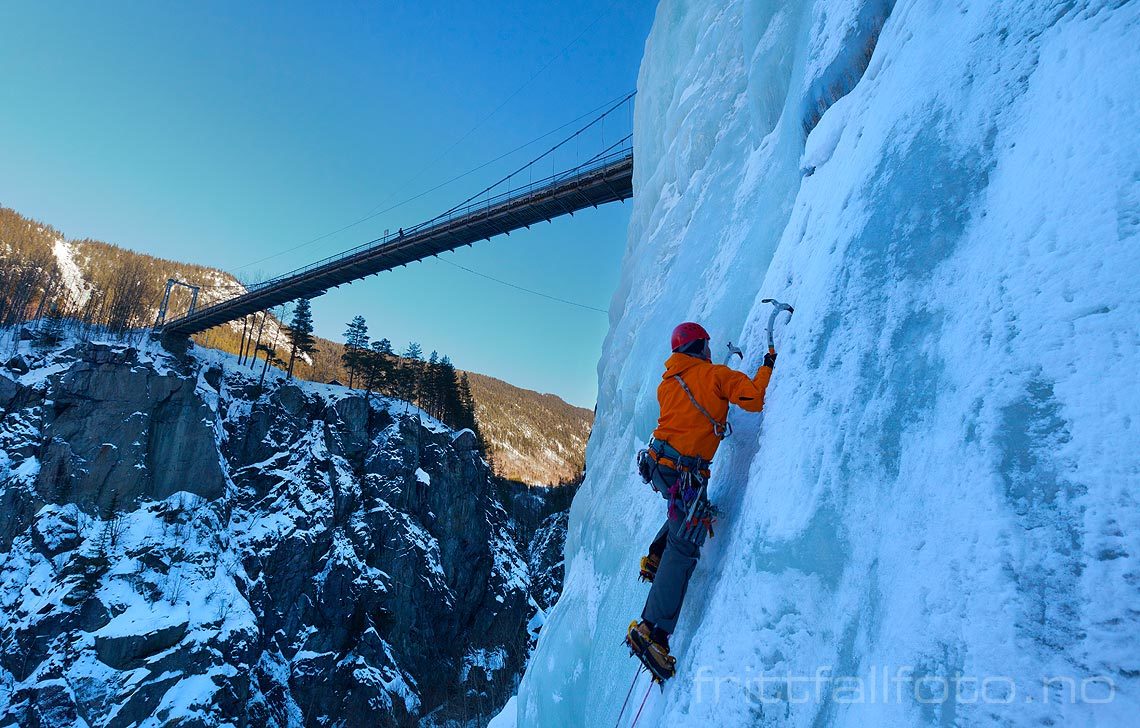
<point x="770" y="359"/>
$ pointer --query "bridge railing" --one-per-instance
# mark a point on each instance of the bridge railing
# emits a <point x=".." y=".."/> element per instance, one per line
<point x="615" y="153"/>
<point x="603" y="177"/>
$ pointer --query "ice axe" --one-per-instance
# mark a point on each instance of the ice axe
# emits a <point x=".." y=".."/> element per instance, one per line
<point x="777" y="308"/>
<point x="733" y="349"/>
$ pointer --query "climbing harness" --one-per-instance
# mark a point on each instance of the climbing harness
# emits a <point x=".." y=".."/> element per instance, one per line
<point x="685" y="494"/>
<point x="646" y="466"/>
<point x="699" y="514"/>
<point x="667" y="456"/>
<point x="699" y="525"/>
<point x="660" y="454"/>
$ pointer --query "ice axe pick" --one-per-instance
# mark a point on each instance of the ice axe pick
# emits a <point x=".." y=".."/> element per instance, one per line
<point x="733" y="349"/>
<point x="778" y="306"/>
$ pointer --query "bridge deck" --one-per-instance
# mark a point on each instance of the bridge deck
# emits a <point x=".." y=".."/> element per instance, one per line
<point x="608" y="180"/>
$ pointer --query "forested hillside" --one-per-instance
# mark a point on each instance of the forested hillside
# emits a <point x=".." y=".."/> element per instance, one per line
<point x="100" y="284"/>
<point x="534" y="437"/>
<point x="530" y="437"/>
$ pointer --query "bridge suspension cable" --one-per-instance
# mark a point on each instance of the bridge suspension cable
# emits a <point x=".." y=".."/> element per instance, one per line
<point x="374" y="213"/>
<point x="467" y="203"/>
<point x="524" y="289"/>
<point x="573" y="137"/>
<point x="513" y="94"/>
<point x="605" y="176"/>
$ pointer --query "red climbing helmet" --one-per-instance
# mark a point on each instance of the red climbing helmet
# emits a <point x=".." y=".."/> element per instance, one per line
<point x="687" y="333"/>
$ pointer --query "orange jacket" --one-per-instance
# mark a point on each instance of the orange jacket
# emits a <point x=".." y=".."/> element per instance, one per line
<point x="714" y="386"/>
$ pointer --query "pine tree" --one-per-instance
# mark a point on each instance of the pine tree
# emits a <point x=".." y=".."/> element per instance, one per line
<point x="355" y="347"/>
<point x="451" y="404"/>
<point x="466" y="403"/>
<point x="467" y="418"/>
<point x="51" y="330"/>
<point x="301" y="332"/>
<point x="431" y="389"/>
<point x="411" y="373"/>
<point x="377" y="365"/>
<point x="383" y="349"/>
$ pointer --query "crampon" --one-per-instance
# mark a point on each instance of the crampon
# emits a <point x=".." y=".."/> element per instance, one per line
<point x="653" y="654"/>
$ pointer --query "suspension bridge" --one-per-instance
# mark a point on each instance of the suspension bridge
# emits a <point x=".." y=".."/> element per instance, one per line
<point x="507" y="205"/>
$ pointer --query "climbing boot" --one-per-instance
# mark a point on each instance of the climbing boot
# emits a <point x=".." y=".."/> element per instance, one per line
<point x="649" y="566"/>
<point x="652" y="648"/>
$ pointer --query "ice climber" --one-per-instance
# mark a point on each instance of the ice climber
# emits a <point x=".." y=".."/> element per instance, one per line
<point x="694" y="396"/>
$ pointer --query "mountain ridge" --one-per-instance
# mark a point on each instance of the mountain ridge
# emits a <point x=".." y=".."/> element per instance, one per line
<point x="511" y="416"/>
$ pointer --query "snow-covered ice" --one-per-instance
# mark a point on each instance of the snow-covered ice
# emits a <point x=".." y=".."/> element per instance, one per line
<point x="77" y="289"/>
<point x="935" y="520"/>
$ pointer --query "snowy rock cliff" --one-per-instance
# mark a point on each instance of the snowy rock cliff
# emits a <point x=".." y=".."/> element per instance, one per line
<point x="181" y="547"/>
<point x="935" y="521"/>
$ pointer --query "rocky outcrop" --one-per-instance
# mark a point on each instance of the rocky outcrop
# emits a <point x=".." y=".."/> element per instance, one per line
<point x="117" y="432"/>
<point x="184" y="545"/>
<point x="545" y="557"/>
<point x="126" y="651"/>
<point x="8" y="392"/>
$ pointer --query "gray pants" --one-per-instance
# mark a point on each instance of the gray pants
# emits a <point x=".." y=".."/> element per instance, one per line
<point x="679" y="544"/>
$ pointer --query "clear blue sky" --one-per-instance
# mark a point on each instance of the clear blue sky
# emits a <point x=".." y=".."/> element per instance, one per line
<point x="220" y="133"/>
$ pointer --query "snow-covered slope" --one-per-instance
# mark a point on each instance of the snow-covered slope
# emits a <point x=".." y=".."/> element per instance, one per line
<point x="81" y="271"/>
<point x="75" y="288"/>
<point x="935" y="521"/>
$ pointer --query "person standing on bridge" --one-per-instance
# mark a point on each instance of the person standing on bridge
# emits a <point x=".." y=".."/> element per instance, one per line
<point x="694" y="396"/>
